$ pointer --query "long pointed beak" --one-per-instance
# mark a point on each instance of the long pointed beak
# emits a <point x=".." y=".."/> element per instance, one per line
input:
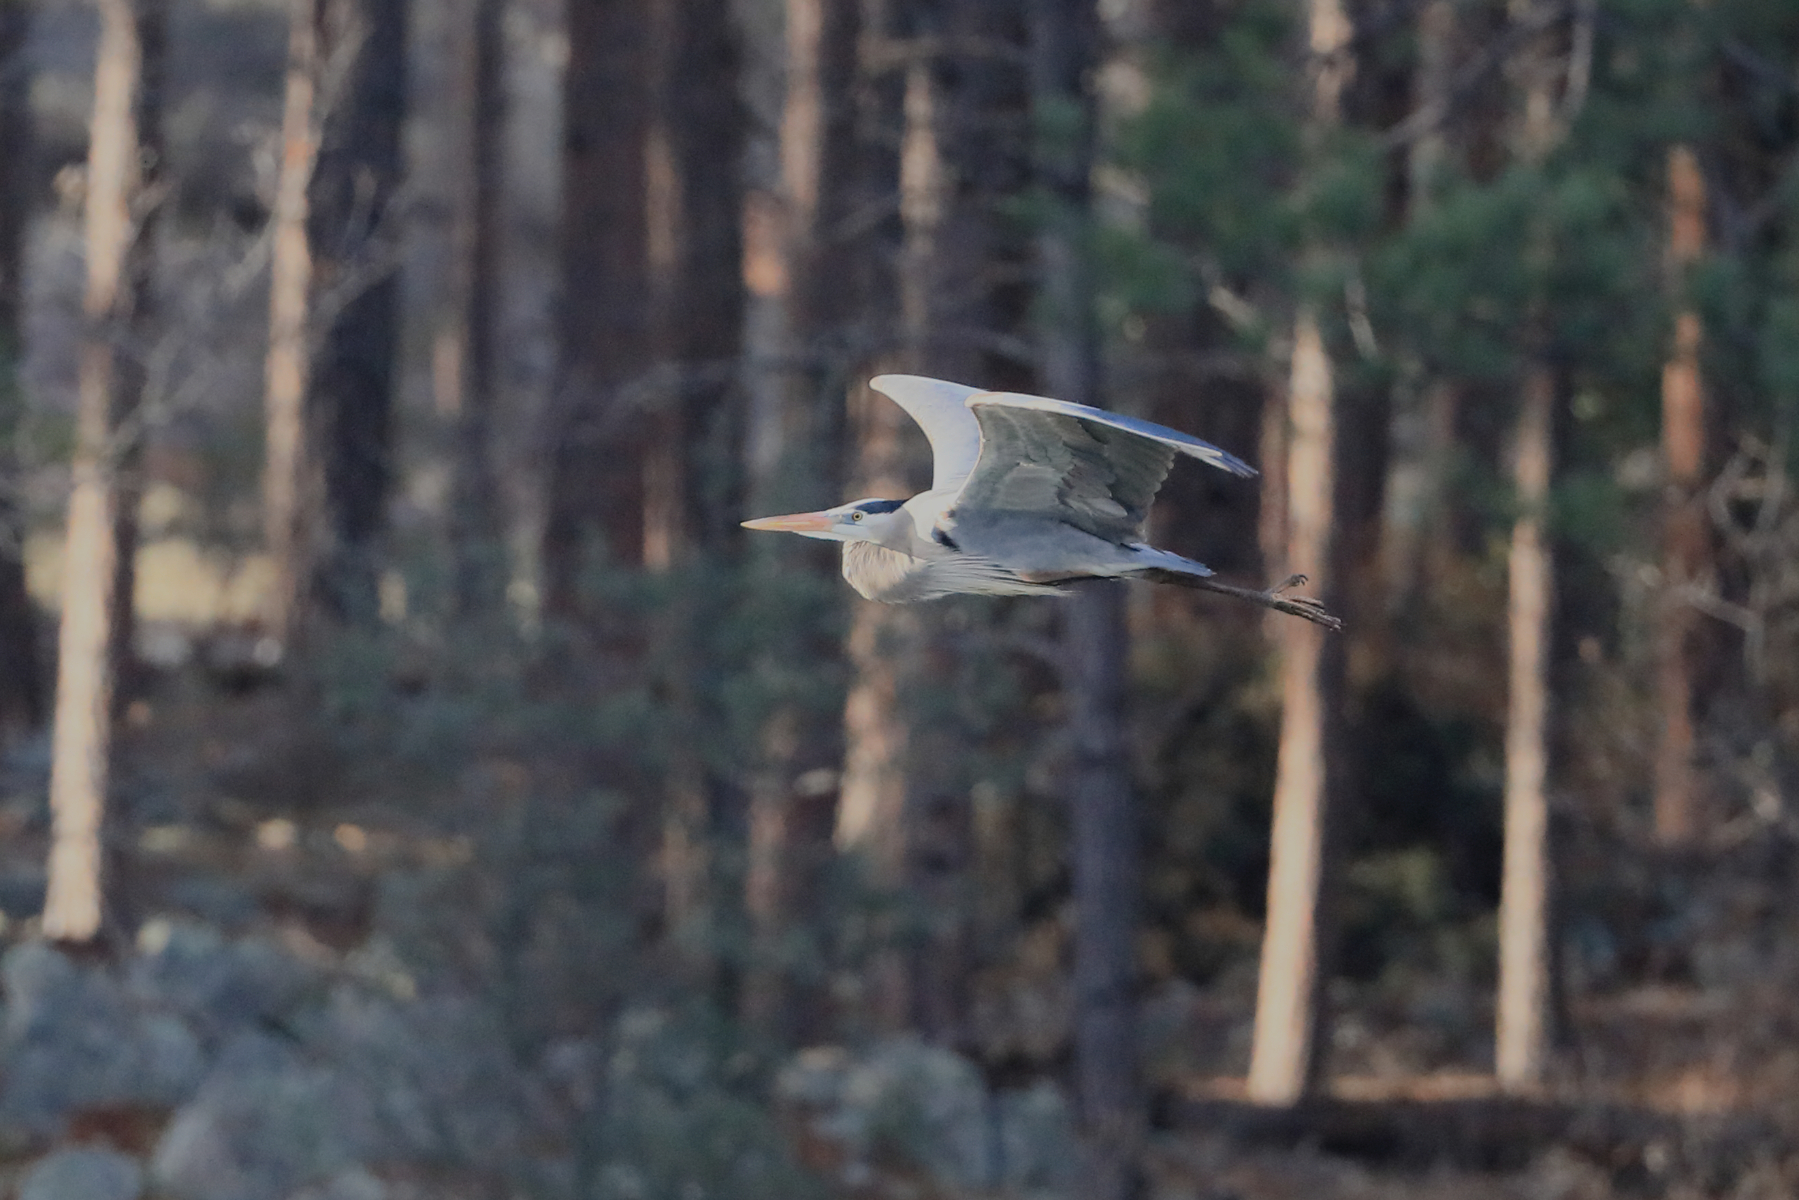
<point x="812" y="522"/>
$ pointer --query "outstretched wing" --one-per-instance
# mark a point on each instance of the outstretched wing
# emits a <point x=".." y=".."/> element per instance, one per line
<point x="941" y="410"/>
<point x="1088" y="468"/>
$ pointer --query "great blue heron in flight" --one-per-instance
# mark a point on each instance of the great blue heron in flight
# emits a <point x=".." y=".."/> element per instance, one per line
<point x="1028" y="494"/>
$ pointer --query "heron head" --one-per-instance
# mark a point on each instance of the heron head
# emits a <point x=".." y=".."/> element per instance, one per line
<point x="858" y="521"/>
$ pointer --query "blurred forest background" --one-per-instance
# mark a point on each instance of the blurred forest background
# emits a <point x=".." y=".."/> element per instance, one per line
<point x="415" y="784"/>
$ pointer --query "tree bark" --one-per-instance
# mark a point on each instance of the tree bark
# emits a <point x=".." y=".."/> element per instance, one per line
<point x="333" y="315"/>
<point x="1523" y="1009"/>
<point x="353" y="229"/>
<point x="21" y="688"/>
<point x="1685" y="546"/>
<point x="1286" y="1054"/>
<point x="962" y="105"/>
<point x="476" y="523"/>
<point x="693" y="481"/>
<point x="804" y="300"/>
<point x="1105" y="837"/>
<point x="109" y="386"/>
<point x="597" y="468"/>
<point x="289" y="479"/>
<point x="1523" y="1014"/>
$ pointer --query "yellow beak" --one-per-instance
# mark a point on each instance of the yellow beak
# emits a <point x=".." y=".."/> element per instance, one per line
<point x="812" y="522"/>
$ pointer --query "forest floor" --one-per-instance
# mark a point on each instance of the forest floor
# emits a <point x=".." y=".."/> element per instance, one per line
<point x="1674" y="1090"/>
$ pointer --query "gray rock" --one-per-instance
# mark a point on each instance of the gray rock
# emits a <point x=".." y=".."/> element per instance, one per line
<point x="354" y="1184"/>
<point x="266" y="1122"/>
<point x="929" y="1106"/>
<point x="73" y="1040"/>
<point x="921" y="1103"/>
<point x="1037" y="1142"/>
<point x="440" y="1075"/>
<point x="83" y="1174"/>
<point x="218" y="986"/>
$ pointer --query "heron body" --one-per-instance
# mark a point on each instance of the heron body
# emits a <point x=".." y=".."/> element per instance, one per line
<point x="1028" y="494"/>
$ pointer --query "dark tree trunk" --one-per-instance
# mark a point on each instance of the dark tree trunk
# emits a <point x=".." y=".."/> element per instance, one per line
<point x="693" y="481"/>
<point x="597" y="470"/>
<point x="806" y="301"/>
<point x="1686" y="538"/>
<point x="1103" y="817"/>
<point x="353" y="230"/>
<point x="476" y="525"/>
<point x="21" y="686"/>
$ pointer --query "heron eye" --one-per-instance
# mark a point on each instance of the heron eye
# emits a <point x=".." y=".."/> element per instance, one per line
<point x="855" y="516"/>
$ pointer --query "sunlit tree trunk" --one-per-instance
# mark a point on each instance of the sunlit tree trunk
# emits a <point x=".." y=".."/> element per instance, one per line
<point x="801" y="300"/>
<point x="1285" y="1059"/>
<point x="1523" y="1014"/>
<point x="289" y="500"/>
<point x="109" y="384"/>
<point x="596" y="472"/>
<point x="1523" y="1008"/>
<point x="1685" y="548"/>
<point x="21" y="691"/>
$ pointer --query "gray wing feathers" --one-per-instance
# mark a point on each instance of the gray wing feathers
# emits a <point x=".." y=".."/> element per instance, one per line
<point x="941" y="410"/>
<point x="1182" y="443"/>
<point x="1090" y="474"/>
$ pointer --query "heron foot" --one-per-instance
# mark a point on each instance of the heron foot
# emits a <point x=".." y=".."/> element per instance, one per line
<point x="1300" y="606"/>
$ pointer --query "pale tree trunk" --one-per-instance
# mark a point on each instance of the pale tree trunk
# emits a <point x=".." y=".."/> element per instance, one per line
<point x="1286" y="1055"/>
<point x="596" y="471"/>
<point x="289" y="480"/>
<point x="802" y="299"/>
<point x="1523" y="1015"/>
<point x="1685" y="551"/>
<point x="1523" y="1008"/>
<point x="21" y="691"/>
<point x="82" y="744"/>
<point x="1104" y="834"/>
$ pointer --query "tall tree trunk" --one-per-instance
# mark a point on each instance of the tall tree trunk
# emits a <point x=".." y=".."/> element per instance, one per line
<point x="597" y="470"/>
<point x="962" y="112"/>
<point x="1685" y="548"/>
<point x="289" y="479"/>
<point x="476" y="524"/>
<point x="110" y="383"/>
<point x="1523" y="1010"/>
<point x="333" y="317"/>
<point x="803" y="300"/>
<point x="21" y="689"/>
<point x="354" y="232"/>
<point x="1523" y="1018"/>
<point x="1286" y="1055"/>
<point x="1103" y="815"/>
<point x="693" y="486"/>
